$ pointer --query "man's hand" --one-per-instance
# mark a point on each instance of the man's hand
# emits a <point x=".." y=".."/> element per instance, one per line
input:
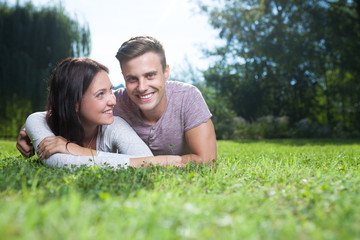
<point x="24" y="144"/>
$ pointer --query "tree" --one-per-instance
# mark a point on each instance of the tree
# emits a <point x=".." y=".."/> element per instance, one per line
<point x="289" y="58"/>
<point x="223" y="117"/>
<point x="32" y="41"/>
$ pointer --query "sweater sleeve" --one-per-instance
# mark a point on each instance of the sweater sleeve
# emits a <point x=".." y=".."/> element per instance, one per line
<point x="37" y="129"/>
<point x="121" y="137"/>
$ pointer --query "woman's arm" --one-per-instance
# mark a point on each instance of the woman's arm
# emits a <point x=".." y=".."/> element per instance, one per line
<point x="57" y="144"/>
<point x="37" y="129"/>
<point x="122" y="137"/>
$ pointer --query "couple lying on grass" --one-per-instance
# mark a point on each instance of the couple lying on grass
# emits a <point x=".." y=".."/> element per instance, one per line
<point x="153" y="116"/>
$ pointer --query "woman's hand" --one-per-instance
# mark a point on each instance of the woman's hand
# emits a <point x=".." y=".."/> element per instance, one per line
<point x="51" y="145"/>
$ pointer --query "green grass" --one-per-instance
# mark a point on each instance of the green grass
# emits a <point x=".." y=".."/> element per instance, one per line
<point x="278" y="189"/>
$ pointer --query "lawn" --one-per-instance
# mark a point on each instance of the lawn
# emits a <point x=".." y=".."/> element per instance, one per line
<point x="260" y="189"/>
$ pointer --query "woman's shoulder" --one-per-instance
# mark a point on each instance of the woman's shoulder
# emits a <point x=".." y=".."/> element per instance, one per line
<point x="116" y="133"/>
<point x="118" y="123"/>
<point x="36" y="117"/>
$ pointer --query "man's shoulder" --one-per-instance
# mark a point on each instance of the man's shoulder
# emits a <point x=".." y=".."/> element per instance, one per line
<point x="180" y="87"/>
<point x="122" y="97"/>
<point x="177" y="84"/>
<point x="120" y="92"/>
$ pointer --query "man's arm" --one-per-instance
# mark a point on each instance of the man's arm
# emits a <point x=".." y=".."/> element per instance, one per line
<point x="202" y="143"/>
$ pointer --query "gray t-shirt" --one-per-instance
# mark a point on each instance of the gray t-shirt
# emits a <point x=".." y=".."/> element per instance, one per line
<point x="185" y="109"/>
<point x="115" y="144"/>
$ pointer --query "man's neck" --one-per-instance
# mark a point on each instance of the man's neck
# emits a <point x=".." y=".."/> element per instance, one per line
<point x="152" y="116"/>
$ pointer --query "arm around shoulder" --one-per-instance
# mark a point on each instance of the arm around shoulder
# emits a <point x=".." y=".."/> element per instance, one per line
<point x="37" y="128"/>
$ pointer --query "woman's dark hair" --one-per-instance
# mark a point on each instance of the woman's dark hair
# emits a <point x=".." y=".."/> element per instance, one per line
<point x="68" y="82"/>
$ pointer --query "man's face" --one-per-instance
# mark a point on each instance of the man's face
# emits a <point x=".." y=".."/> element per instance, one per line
<point x="145" y="83"/>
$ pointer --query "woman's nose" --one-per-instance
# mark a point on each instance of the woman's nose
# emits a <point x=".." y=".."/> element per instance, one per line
<point x="112" y="100"/>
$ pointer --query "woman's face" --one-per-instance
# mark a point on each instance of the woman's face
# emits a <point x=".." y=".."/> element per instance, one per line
<point x="98" y="102"/>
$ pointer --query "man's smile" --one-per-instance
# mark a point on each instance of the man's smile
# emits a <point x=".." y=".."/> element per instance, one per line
<point x="146" y="97"/>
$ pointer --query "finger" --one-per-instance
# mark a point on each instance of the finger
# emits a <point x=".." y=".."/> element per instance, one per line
<point x="19" y="148"/>
<point x="43" y="142"/>
<point x="23" y="135"/>
<point x="22" y="129"/>
<point x="39" y="153"/>
<point x="22" y="132"/>
<point x="40" y="148"/>
<point x="24" y="140"/>
<point x="48" y="149"/>
<point x="22" y="151"/>
<point x="47" y="152"/>
<point x="42" y="152"/>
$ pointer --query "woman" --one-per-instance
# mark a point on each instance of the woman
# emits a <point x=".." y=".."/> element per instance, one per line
<point x="81" y="127"/>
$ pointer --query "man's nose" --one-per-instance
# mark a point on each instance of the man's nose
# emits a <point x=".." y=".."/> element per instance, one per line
<point x="142" y="87"/>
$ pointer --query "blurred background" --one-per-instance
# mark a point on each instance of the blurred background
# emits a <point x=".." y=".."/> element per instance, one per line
<point x="266" y="68"/>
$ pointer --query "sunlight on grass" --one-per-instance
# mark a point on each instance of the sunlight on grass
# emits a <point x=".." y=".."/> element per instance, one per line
<point x="279" y="189"/>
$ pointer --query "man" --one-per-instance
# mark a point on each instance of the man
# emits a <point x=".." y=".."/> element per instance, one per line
<point x="170" y="117"/>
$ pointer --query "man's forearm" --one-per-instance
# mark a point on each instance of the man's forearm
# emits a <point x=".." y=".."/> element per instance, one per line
<point x="202" y="143"/>
<point x="208" y="159"/>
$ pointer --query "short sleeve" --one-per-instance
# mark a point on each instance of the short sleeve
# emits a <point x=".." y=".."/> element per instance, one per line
<point x="196" y="110"/>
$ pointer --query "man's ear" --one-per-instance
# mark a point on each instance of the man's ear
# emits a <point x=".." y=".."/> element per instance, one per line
<point x="167" y="72"/>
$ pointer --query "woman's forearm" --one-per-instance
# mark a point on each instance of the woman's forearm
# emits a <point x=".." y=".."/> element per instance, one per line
<point x="77" y="150"/>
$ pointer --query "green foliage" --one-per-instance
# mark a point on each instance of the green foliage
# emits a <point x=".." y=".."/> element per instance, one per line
<point x="278" y="189"/>
<point x="223" y="117"/>
<point x="32" y="41"/>
<point x="264" y="127"/>
<point x="288" y="58"/>
<point x="14" y="115"/>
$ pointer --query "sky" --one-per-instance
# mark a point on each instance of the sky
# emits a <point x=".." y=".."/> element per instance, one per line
<point x="178" y="24"/>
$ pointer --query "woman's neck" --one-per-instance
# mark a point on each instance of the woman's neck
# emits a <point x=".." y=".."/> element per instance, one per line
<point x="90" y="136"/>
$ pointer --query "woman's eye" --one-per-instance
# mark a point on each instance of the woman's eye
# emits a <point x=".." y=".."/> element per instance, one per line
<point x="99" y="95"/>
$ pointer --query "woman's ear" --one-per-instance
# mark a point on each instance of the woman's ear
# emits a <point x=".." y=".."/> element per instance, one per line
<point x="77" y="107"/>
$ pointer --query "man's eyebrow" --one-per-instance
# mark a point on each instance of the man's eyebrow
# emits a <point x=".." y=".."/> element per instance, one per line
<point x="129" y="75"/>
<point x="151" y="72"/>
